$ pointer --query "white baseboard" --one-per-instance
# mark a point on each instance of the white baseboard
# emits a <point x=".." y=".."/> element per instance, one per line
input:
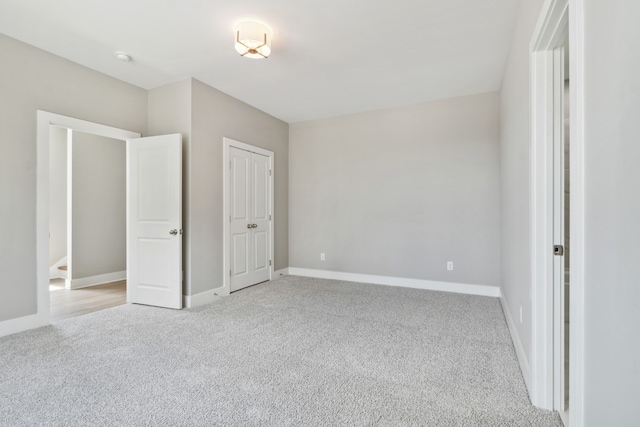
<point x="523" y="360"/>
<point x="21" y="324"/>
<point x="96" y="280"/>
<point x="208" y="297"/>
<point x="190" y="301"/>
<point x="460" y="288"/>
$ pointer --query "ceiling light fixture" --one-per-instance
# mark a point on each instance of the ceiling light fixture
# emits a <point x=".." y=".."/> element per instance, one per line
<point x="253" y="39"/>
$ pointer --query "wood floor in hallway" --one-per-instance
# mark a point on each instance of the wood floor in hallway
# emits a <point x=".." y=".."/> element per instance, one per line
<point x="66" y="303"/>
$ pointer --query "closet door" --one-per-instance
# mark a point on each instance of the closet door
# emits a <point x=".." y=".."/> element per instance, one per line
<point x="260" y="218"/>
<point x="249" y="208"/>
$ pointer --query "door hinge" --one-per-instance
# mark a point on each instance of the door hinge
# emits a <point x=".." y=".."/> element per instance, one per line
<point x="269" y="172"/>
<point x="269" y="262"/>
<point x="269" y="217"/>
<point x="230" y="164"/>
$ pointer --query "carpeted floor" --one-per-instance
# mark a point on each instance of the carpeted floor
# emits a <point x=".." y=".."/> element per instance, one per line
<point x="296" y="351"/>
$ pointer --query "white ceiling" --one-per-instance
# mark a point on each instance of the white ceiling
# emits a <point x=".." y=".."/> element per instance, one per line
<point x="330" y="57"/>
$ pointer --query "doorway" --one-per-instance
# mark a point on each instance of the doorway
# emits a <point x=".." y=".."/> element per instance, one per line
<point x="47" y="121"/>
<point x="248" y="214"/>
<point x="557" y="210"/>
<point x="154" y="213"/>
<point x="87" y="222"/>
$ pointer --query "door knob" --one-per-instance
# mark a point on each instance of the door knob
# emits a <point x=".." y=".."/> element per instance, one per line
<point x="249" y="225"/>
<point x="173" y="232"/>
<point x="254" y="225"/>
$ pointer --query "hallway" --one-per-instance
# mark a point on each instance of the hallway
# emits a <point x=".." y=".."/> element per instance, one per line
<point x="66" y="303"/>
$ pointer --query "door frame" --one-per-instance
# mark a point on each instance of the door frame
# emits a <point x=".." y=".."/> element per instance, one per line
<point x="225" y="290"/>
<point x="44" y="121"/>
<point x="559" y="20"/>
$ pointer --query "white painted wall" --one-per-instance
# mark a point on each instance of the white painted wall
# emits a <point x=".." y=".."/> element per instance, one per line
<point x="57" y="194"/>
<point x="400" y="192"/>
<point x="612" y="204"/>
<point x="33" y="80"/>
<point x="98" y="194"/>
<point x="515" y="172"/>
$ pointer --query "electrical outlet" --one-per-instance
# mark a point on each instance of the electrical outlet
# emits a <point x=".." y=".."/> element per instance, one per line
<point x="450" y="265"/>
<point x="322" y="256"/>
<point x="521" y="315"/>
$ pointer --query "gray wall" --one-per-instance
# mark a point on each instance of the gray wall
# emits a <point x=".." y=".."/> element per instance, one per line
<point x="216" y="115"/>
<point x="612" y="229"/>
<point x="98" y="198"/>
<point x="205" y="116"/>
<point x="400" y="192"/>
<point x="169" y="111"/>
<point x="515" y="172"/>
<point x="57" y="194"/>
<point x="32" y="80"/>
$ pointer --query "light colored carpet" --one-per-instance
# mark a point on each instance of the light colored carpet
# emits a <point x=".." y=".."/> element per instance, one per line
<point x="296" y="351"/>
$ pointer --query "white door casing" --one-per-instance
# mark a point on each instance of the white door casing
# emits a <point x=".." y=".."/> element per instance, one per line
<point x="46" y="119"/>
<point x="154" y="221"/>
<point x="558" y="19"/>
<point x="248" y="215"/>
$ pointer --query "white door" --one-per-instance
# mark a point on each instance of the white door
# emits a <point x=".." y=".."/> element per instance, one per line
<point x="154" y="221"/>
<point x="250" y="216"/>
<point x="560" y="236"/>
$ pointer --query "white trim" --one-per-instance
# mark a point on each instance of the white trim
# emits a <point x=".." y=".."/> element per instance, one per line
<point x="225" y="290"/>
<point x="100" y="279"/>
<point x="44" y="120"/>
<point x="558" y="19"/>
<point x="577" y="215"/>
<point x="207" y="297"/>
<point x="21" y="324"/>
<point x="460" y="288"/>
<point x="69" y="194"/>
<point x="550" y="33"/>
<point x="517" y="343"/>
<point x="541" y="222"/>
<point x="552" y="27"/>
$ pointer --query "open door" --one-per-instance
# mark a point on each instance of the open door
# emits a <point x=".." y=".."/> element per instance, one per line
<point x="561" y="233"/>
<point x="154" y="221"/>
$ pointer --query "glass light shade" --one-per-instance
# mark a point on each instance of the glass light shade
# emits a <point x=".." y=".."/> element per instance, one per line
<point x="253" y="39"/>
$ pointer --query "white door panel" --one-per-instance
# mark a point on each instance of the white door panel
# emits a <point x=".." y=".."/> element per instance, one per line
<point x="260" y="200"/>
<point x="559" y="187"/>
<point x="260" y="193"/>
<point x="250" y="217"/>
<point x="154" y="209"/>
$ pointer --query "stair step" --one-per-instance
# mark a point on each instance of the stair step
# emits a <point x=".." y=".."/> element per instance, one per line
<point x="63" y="268"/>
